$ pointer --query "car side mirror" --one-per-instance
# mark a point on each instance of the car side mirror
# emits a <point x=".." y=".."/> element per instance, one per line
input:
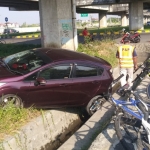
<point x="40" y="81"/>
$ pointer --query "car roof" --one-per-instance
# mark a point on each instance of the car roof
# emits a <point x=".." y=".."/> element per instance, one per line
<point x="57" y="54"/>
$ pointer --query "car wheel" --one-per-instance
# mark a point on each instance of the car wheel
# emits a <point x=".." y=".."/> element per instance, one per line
<point x="11" y="98"/>
<point x="95" y="104"/>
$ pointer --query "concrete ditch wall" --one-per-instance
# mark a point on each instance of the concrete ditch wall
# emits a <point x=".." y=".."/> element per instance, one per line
<point x="45" y="132"/>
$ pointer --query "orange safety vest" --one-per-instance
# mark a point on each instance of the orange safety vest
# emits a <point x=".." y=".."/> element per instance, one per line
<point x="126" y="56"/>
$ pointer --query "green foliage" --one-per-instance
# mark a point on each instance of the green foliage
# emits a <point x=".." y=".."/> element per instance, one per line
<point x="8" y="49"/>
<point x="24" y="25"/>
<point x="12" y="118"/>
<point x="113" y="20"/>
<point x="102" y="49"/>
<point x="29" y="25"/>
<point x="84" y="24"/>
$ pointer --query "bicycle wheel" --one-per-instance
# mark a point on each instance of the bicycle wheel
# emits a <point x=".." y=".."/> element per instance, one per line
<point x="131" y="133"/>
<point x="2" y="42"/>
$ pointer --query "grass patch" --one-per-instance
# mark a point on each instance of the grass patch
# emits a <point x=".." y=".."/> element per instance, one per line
<point x="103" y="49"/>
<point x="12" y="118"/>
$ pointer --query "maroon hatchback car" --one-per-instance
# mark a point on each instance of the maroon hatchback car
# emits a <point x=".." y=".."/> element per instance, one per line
<point x="51" y="78"/>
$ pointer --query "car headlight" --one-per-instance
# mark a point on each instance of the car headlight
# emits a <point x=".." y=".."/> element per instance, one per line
<point x="1" y="84"/>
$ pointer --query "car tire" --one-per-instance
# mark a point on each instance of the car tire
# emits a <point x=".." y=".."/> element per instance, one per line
<point x="95" y="104"/>
<point x="11" y="98"/>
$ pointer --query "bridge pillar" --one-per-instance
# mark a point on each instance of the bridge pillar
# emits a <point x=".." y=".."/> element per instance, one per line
<point x="145" y="20"/>
<point x="102" y="20"/>
<point x="124" y="20"/>
<point x="57" y="20"/>
<point x="136" y="15"/>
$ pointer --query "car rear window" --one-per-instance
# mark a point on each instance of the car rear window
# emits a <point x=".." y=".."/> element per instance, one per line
<point x="85" y="71"/>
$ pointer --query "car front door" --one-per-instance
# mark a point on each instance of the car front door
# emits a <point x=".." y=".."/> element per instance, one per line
<point x="86" y="82"/>
<point x="56" y="91"/>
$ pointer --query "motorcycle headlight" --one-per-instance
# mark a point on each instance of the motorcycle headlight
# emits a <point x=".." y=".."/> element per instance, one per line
<point x="1" y="84"/>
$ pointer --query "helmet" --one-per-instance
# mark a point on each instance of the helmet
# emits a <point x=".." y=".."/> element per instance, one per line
<point x="123" y="29"/>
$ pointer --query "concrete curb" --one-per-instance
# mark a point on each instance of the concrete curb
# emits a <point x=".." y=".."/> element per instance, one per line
<point x="115" y="33"/>
<point x="83" y="138"/>
<point x="79" y="34"/>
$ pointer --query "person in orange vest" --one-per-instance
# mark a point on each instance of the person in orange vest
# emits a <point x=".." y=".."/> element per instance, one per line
<point x="127" y="57"/>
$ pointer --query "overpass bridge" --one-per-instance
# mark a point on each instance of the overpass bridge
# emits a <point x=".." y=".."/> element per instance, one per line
<point x="121" y="10"/>
<point x="58" y="17"/>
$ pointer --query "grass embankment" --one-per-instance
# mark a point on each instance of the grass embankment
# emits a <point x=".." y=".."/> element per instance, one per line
<point x="11" y="118"/>
<point x="103" y="49"/>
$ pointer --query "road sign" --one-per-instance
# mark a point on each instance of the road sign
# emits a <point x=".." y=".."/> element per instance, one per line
<point x="6" y="19"/>
<point x="84" y="15"/>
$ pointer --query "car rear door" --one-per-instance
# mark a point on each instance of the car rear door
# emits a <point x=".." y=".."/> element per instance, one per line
<point x="86" y="82"/>
<point x="56" y="91"/>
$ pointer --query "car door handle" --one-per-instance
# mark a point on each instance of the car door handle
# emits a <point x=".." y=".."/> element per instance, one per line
<point x="95" y="82"/>
<point x="62" y="85"/>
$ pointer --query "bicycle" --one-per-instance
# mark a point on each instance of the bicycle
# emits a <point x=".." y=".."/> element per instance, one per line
<point x="132" y="123"/>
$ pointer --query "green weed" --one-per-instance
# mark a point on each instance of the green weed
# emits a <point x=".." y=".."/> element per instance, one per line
<point x="12" y="118"/>
<point x="103" y="49"/>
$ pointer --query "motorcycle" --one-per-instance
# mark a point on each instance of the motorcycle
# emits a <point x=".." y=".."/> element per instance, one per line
<point x="133" y="38"/>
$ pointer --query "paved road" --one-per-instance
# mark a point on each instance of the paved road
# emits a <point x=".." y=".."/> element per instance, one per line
<point x="144" y="38"/>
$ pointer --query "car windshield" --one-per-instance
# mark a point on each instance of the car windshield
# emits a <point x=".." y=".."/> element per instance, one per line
<point x="26" y="61"/>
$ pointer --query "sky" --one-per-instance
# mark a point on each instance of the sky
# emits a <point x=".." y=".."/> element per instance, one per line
<point x="30" y="17"/>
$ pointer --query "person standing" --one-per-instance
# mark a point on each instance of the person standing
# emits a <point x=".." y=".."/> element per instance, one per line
<point x="87" y="35"/>
<point x="127" y="57"/>
<point x="85" y="32"/>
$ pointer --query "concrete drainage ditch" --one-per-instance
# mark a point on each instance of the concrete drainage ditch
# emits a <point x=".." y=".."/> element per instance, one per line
<point x="45" y="132"/>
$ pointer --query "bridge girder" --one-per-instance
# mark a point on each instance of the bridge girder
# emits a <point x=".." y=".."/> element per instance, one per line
<point x="33" y="4"/>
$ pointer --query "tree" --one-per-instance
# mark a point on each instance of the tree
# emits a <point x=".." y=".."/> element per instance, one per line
<point x="24" y="25"/>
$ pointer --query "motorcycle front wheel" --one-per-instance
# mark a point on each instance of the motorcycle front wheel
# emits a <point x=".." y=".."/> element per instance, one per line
<point x="137" y="40"/>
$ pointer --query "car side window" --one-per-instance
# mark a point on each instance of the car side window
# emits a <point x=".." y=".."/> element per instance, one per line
<point x="56" y="72"/>
<point x="85" y="71"/>
<point x="31" y="77"/>
<point x="100" y="71"/>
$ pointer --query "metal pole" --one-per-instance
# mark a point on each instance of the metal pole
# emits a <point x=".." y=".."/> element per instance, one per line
<point x="75" y="38"/>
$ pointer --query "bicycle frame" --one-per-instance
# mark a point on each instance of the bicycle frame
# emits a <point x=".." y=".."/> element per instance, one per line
<point x="139" y="115"/>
